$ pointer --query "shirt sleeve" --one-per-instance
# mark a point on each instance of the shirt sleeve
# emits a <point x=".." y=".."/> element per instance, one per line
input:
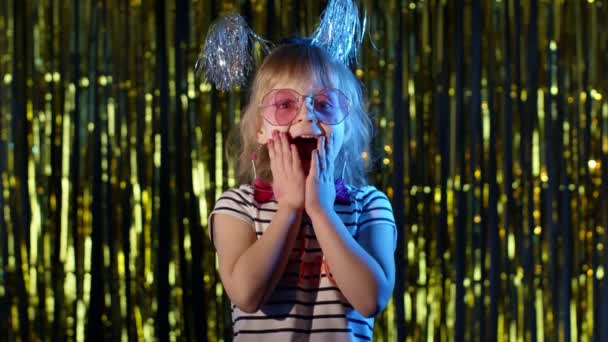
<point x="233" y="202"/>
<point x="377" y="213"/>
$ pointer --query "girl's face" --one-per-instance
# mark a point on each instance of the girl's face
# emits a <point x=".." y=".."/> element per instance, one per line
<point x="305" y="128"/>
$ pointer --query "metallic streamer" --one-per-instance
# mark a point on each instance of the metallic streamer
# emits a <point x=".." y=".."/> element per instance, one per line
<point x="340" y="31"/>
<point x="226" y="58"/>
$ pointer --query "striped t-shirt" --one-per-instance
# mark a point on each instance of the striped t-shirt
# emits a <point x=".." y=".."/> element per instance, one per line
<point x="307" y="305"/>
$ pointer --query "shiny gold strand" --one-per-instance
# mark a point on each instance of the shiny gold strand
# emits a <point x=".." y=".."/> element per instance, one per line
<point x="81" y="162"/>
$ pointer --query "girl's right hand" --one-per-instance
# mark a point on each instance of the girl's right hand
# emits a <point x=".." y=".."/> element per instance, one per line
<point x="288" y="177"/>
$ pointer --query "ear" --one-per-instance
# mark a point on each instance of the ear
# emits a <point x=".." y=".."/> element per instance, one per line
<point x="261" y="136"/>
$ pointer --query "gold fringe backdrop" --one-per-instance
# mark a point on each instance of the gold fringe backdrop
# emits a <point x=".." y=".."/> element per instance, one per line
<point x="491" y="140"/>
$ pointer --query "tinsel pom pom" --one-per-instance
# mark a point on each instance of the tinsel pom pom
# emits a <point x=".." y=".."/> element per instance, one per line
<point x="340" y="31"/>
<point x="226" y="58"/>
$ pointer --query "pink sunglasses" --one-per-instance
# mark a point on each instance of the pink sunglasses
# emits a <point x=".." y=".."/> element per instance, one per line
<point x="280" y="106"/>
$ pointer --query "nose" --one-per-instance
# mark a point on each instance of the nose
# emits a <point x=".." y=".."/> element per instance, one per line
<point x="306" y="112"/>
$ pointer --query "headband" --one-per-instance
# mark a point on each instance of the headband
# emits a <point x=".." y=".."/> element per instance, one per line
<point x="226" y="58"/>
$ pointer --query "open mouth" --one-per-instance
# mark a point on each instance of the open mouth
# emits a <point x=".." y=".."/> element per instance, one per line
<point x="305" y="146"/>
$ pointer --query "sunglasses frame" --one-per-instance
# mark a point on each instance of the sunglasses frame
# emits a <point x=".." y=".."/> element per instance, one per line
<point x="300" y="99"/>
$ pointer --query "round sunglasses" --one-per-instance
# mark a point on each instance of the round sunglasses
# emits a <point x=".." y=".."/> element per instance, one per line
<point x="280" y="106"/>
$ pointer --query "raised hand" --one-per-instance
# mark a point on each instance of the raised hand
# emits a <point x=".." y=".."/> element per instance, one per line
<point x="320" y="187"/>
<point x="288" y="178"/>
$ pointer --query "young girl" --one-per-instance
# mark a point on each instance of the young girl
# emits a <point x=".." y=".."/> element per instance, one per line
<point x="305" y="246"/>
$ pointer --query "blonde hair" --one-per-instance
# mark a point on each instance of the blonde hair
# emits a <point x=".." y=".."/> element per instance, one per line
<point x="296" y="60"/>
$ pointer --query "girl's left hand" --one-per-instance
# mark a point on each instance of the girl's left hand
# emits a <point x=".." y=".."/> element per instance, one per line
<point x="320" y="192"/>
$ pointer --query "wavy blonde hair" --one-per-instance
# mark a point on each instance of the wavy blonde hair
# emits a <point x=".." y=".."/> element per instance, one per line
<point x="300" y="59"/>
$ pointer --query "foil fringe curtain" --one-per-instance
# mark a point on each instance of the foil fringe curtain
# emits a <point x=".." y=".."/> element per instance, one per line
<point x="492" y="141"/>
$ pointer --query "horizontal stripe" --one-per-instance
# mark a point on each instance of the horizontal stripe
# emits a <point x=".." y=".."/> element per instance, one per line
<point x="244" y="202"/>
<point x="303" y="317"/>
<point x="343" y="203"/>
<point x="365" y="197"/>
<point x="348" y="224"/>
<point x="249" y="192"/>
<point x="297" y="275"/>
<point x="362" y="322"/>
<point x="379" y="219"/>
<point x="298" y="288"/>
<point x="317" y="303"/>
<point x="255" y="219"/>
<point x="223" y="200"/>
<point x="302" y="331"/>
<point x="340" y="212"/>
<point x="348" y="212"/>
<point x="363" y="337"/>
<point x="374" y="209"/>
<point x="244" y="214"/>
<point x="237" y="193"/>
<point x="363" y="211"/>
<point x="355" y="191"/>
<point x="274" y="317"/>
<point x="374" y="199"/>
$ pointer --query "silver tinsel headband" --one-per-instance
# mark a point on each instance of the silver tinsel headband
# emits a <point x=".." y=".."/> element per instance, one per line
<point x="340" y="31"/>
<point x="226" y="58"/>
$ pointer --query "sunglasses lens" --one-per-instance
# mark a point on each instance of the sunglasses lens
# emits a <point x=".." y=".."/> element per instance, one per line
<point x="331" y="106"/>
<point x="280" y="107"/>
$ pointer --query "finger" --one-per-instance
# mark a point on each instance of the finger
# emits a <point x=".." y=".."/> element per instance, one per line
<point x="270" y="146"/>
<point x="327" y="153"/>
<point x="331" y="152"/>
<point x="286" y="151"/>
<point x="278" y="149"/>
<point x="295" y="158"/>
<point x="314" y="165"/>
<point x="330" y="146"/>
<point x="321" y="153"/>
<point x="273" y="156"/>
